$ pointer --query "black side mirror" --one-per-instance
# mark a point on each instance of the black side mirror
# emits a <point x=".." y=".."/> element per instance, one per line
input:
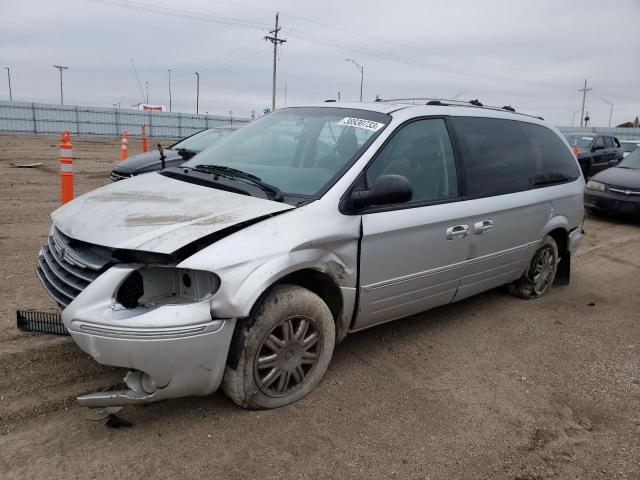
<point x="387" y="190"/>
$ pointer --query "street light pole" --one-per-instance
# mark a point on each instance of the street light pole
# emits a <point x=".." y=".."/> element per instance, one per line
<point x="610" y="110"/>
<point x="197" y="92"/>
<point x="9" y="79"/>
<point x="169" y="70"/>
<point x="60" y="68"/>
<point x="361" y="68"/>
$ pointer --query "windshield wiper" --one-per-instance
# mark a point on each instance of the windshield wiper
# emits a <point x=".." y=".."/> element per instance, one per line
<point x="235" y="174"/>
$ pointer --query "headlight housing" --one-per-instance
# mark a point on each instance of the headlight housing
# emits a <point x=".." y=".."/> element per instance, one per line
<point x="153" y="286"/>
<point x="597" y="186"/>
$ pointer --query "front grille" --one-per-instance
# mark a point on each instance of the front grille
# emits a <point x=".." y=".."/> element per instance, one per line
<point x="66" y="266"/>
<point x="45" y="322"/>
<point x="623" y="190"/>
<point x="116" y="176"/>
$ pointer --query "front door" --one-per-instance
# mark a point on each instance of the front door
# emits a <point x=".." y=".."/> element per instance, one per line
<point x="413" y="255"/>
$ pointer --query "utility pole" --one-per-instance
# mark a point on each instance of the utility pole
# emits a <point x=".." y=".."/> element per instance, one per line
<point x="584" y="94"/>
<point x="60" y="68"/>
<point x="169" y="70"/>
<point x="197" y="92"/>
<point x="276" y="41"/>
<point x="9" y="78"/>
<point x="610" y="111"/>
<point x="361" y="68"/>
<point x="146" y="86"/>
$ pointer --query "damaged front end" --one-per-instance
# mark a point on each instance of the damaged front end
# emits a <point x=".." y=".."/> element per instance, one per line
<point x="154" y="319"/>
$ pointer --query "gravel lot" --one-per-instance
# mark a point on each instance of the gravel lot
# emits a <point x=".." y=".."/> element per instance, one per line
<point x="492" y="387"/>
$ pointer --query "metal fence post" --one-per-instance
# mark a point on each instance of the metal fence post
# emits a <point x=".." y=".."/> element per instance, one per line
<point x="33" y="114"/>
<point x="115" y="111"/>
<point x="180" y="126"/>
<point x="150" y="124"/>
<point x="77" y="122"/>
<point x="206" y="121"/>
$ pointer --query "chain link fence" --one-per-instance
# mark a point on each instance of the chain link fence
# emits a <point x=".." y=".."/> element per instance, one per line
<point x="27" y="117"/>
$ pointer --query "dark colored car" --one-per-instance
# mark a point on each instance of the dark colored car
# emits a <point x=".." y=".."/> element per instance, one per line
<point x="616" y="189"/>
<point x="594" y="151"/>
<point x="175" y="155"/>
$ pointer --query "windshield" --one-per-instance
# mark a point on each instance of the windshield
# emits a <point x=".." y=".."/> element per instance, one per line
<point x="579" y="141"/>
<point x="202" y="140"/>
<point x="630" y="146"/>
<point x="297" y="150"/>
<point x="632" y="161"/>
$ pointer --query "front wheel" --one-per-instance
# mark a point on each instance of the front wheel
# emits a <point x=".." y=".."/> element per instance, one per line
<point x="286" y="350"/>
<point x="541" y="273"/>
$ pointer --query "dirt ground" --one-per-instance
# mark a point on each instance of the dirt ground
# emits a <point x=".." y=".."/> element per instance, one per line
<point x="492" y="387"/>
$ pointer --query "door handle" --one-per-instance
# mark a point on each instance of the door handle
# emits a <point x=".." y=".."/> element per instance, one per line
<point x="457" y="231"/>
<point x="482" y="227"/>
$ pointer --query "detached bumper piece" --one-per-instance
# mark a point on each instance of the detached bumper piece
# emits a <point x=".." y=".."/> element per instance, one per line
<point x="43" y="322"/>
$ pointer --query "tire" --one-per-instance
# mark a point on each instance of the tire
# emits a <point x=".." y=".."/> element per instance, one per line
<point x="544" y="263"/>
<point x="293" y="333"/>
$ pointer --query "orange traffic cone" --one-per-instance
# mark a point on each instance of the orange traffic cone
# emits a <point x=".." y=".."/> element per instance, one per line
<point x="66" y="168"/>
<point x="143" y="127"/>
<point x="123" y="147"/>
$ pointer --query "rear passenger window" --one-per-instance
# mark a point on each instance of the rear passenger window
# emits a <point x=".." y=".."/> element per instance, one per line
<point x="599" y="142"/>
<point x="608" y="142"/>
<point x="507" y="156"/>
<point x="420" y="151"/>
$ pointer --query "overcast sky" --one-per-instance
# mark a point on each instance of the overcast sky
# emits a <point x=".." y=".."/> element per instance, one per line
<point x="533" y="55"/>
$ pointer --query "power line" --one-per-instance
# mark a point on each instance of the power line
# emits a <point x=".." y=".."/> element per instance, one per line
<point x="174" y="12"/>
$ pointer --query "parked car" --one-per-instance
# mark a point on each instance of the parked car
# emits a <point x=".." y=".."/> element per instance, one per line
<point x="616" y="190"/>
<point x="629" y="146"/>
<point x="249" y="263"/>
<point x="175" y="154"/>
<point x="594" y="152"/>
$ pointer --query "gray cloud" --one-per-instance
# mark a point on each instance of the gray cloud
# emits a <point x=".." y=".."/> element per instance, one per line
<point x="533" y="55"/>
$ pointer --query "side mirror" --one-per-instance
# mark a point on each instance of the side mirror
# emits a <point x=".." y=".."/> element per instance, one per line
<point x="387" y="190"/>
<point x="613" y="162"/>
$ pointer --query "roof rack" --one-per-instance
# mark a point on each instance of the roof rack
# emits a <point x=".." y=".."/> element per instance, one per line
<point x="447" y="102"/>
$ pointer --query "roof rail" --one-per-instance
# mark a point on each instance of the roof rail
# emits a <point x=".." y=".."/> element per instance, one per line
<point x="452" y="102"/>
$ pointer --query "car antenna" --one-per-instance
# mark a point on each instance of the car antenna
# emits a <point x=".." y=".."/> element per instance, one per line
<point x="162" y="156"/>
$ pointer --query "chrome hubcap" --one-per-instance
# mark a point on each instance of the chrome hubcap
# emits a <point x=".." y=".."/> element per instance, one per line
<point x="544" y="269"/>
<point x="287" y="356"/>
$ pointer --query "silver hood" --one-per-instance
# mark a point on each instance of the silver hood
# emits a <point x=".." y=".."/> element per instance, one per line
<point x="155" y="213"/>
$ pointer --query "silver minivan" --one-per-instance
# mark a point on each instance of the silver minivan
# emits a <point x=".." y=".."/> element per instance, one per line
<point x="248" y="264"/>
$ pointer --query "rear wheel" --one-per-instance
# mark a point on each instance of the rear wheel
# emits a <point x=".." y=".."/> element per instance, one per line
<point x="286" y="350"/>
<point x="541" y="272"/>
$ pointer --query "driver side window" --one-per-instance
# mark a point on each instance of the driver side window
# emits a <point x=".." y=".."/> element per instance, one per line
<point x="420" y="151"/>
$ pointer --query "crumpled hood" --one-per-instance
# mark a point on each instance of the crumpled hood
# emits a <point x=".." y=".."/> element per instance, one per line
<point x="155" y="213"/>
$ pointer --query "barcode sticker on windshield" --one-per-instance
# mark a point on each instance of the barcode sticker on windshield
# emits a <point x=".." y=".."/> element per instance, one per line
<point x="361" y="123"/>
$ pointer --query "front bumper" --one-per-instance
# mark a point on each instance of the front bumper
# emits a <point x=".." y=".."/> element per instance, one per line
<point x="172" y="350"/>
<point x="612" y="203"/>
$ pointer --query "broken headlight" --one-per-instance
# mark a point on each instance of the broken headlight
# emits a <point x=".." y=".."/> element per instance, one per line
<point x="155" y="286"/>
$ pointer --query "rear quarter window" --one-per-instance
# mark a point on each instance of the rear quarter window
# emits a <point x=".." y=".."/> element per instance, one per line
<point x="507" y="156"/>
